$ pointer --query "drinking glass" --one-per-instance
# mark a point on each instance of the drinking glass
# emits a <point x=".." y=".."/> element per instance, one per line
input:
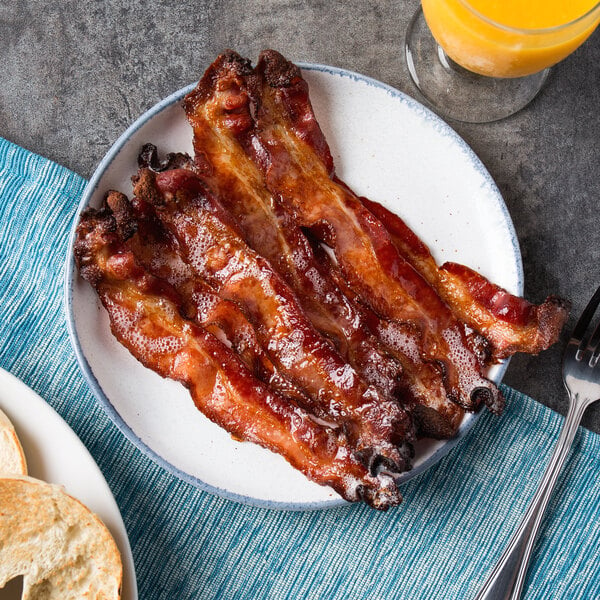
<point x="476" y="66"/>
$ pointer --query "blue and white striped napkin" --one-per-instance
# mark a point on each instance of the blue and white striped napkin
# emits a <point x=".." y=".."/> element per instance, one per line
<point x="439" y="544"/>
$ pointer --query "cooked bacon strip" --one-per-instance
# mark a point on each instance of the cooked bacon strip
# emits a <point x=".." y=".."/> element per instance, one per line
<point x="158" y="252"/>
<point x="509" y="323"/>
<point x="144" y="317"/>
<point x="210" y="243"/>
<point x="272" y="233"/>
<point x="435" y="415"/>
<point x="272" y="119"/>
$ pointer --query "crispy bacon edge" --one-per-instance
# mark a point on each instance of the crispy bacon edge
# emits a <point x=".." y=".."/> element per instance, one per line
<point x="510" y="323"/>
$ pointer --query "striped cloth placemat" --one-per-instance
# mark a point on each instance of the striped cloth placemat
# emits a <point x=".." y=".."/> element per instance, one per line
<point x="439" y="544"/>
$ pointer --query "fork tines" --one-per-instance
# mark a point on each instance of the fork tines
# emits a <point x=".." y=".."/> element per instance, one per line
<point x="581" y="334"/>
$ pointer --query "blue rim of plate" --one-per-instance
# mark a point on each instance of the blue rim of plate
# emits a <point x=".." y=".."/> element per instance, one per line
<point x="71" y="273"/>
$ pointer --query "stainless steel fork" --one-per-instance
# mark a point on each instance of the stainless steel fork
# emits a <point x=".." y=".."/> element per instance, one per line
<point x="581" y="376"/>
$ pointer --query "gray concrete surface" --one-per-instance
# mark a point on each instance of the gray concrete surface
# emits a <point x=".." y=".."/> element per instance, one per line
<point x="75" y="74"/>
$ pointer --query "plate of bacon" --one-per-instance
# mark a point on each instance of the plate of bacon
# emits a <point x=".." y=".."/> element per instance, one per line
<point x="304" y="286"/>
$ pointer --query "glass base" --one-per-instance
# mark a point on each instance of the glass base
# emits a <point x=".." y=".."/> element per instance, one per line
<point x="456" y="93"/>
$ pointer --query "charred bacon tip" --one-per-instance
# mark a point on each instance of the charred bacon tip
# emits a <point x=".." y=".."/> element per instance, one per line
<point x="276" y="69"/>
<point x="123" y="214"/>
<point x="396" y="460"/>
<point x="553" y="315"/>
<point x="490" y="396"/>
<point x="228" y="61"/>
<point x="148" y="159"/>
<point x="383" y="498"/>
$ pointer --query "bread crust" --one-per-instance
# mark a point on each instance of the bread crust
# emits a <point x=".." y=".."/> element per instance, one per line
<point x="12" y="457"/>
<point x="62" y="549"/>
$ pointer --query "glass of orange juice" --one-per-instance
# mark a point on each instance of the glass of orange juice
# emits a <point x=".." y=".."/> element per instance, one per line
<point x="483" y="60"/>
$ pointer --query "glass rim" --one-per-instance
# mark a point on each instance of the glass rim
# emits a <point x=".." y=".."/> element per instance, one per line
<point x="537" y="31"/>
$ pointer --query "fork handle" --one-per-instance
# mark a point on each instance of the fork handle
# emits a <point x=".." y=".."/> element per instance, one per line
<point x="506" y="580"/>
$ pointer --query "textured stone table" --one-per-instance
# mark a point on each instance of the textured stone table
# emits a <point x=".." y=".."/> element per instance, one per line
<point x="76" y="74"/>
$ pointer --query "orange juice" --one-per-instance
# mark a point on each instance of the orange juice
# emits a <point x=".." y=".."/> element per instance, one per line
<point x="510" y="38"/>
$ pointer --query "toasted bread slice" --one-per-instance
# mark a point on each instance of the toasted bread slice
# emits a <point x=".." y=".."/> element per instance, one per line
<point x="62" y="550"/>
<point x="12" y="458"/>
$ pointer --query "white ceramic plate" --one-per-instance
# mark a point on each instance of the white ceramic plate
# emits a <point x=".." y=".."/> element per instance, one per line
<point x="55" y="454"/>
<point x="387" y="147"/>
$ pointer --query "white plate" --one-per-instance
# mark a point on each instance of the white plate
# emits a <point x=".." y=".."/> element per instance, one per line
<point x="55" y="454"/>
<point x="387" y="147"/>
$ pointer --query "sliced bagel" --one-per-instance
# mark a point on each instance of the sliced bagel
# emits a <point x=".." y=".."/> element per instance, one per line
<point x="12" y="458"/>
<point x="62" y="550"/>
